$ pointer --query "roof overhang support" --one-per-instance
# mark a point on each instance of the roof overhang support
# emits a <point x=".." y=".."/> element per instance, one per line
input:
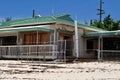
<point x="99" y="42"/>
<point x="100" y="48"/>
<point x="55" y="36"/>
<point x="17" y="38"/>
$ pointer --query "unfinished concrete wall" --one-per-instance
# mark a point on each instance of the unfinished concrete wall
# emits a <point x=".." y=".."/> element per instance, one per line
<point x="90" y="53"/>
<point x="83" y="53"/>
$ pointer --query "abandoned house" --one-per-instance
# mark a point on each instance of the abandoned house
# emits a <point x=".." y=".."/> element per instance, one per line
<point x="53" y="37"/>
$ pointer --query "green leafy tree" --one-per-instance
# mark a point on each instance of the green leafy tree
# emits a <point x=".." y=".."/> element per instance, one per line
<point x="116" y="25"/>
<point x="8" y="19"/>
<point x="97" y="24"/>
<point x="85" y="22"/>
<point x="107" y="24"/>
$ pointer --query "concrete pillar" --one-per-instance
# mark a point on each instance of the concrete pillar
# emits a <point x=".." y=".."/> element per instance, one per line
<point x="100" y="48"/>
<point x="55" y="36"/>
<point x="18" y="37"/>
<point x="99" y="42"/>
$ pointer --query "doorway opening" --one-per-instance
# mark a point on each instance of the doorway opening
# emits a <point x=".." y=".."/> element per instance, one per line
<point x="69" y="45"/>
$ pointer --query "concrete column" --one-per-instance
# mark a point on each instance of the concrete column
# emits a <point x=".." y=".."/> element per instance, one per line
<point x="100" y="48"/>
<point x="54" y="36"/>
<point x="50" y="38"/>
<point x="76" y="40"/>
<point x="17" y="38"/>
<point x="99" y="45"/>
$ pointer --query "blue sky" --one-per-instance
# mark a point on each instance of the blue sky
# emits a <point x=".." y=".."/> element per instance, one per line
<point x="83" y="9"/>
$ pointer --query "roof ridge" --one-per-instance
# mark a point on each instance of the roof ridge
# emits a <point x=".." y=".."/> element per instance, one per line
<point x="60" y="15"/>
<point x="53" y="16"/>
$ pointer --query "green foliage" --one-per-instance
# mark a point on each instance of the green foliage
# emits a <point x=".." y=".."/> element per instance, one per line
<point x="85" y="22"/>
<point x="107" y="24"/>
<point x="8" y="19"/>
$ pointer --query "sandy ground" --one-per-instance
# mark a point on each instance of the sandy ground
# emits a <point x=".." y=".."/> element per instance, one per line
<point x="17" y="70"/>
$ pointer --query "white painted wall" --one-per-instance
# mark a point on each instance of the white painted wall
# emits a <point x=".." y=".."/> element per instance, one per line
<point x="81" y="43"/>
<point x="88" y="54"/>
<point x="82" y="46"/>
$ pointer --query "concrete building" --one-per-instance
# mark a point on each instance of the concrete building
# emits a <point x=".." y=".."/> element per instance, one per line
<point x="49" y="37"/>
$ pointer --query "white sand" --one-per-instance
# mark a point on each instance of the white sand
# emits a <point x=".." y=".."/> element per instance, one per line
<point x="15" y="70"/>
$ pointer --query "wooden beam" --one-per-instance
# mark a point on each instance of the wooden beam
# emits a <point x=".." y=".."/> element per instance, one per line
<point x="37" y="37"/>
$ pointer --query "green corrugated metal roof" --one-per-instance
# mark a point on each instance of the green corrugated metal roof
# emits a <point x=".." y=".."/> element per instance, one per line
<point x="65" y="18"/>
<point x="26" y="21"/>
<point x="104" y="34"/>
<point x="79" y="25"/>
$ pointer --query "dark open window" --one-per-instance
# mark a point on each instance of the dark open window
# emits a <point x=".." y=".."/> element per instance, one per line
<point x="9" y="40"/>
<point x="90" y="44"/>
<point x="111" y="44"/>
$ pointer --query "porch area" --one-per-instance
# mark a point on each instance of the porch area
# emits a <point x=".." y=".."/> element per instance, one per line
<point x="36" y="42"/>
<point x="103" y="46"/>
<point x="40" y="52"/>
<point x="29" y="52"/>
